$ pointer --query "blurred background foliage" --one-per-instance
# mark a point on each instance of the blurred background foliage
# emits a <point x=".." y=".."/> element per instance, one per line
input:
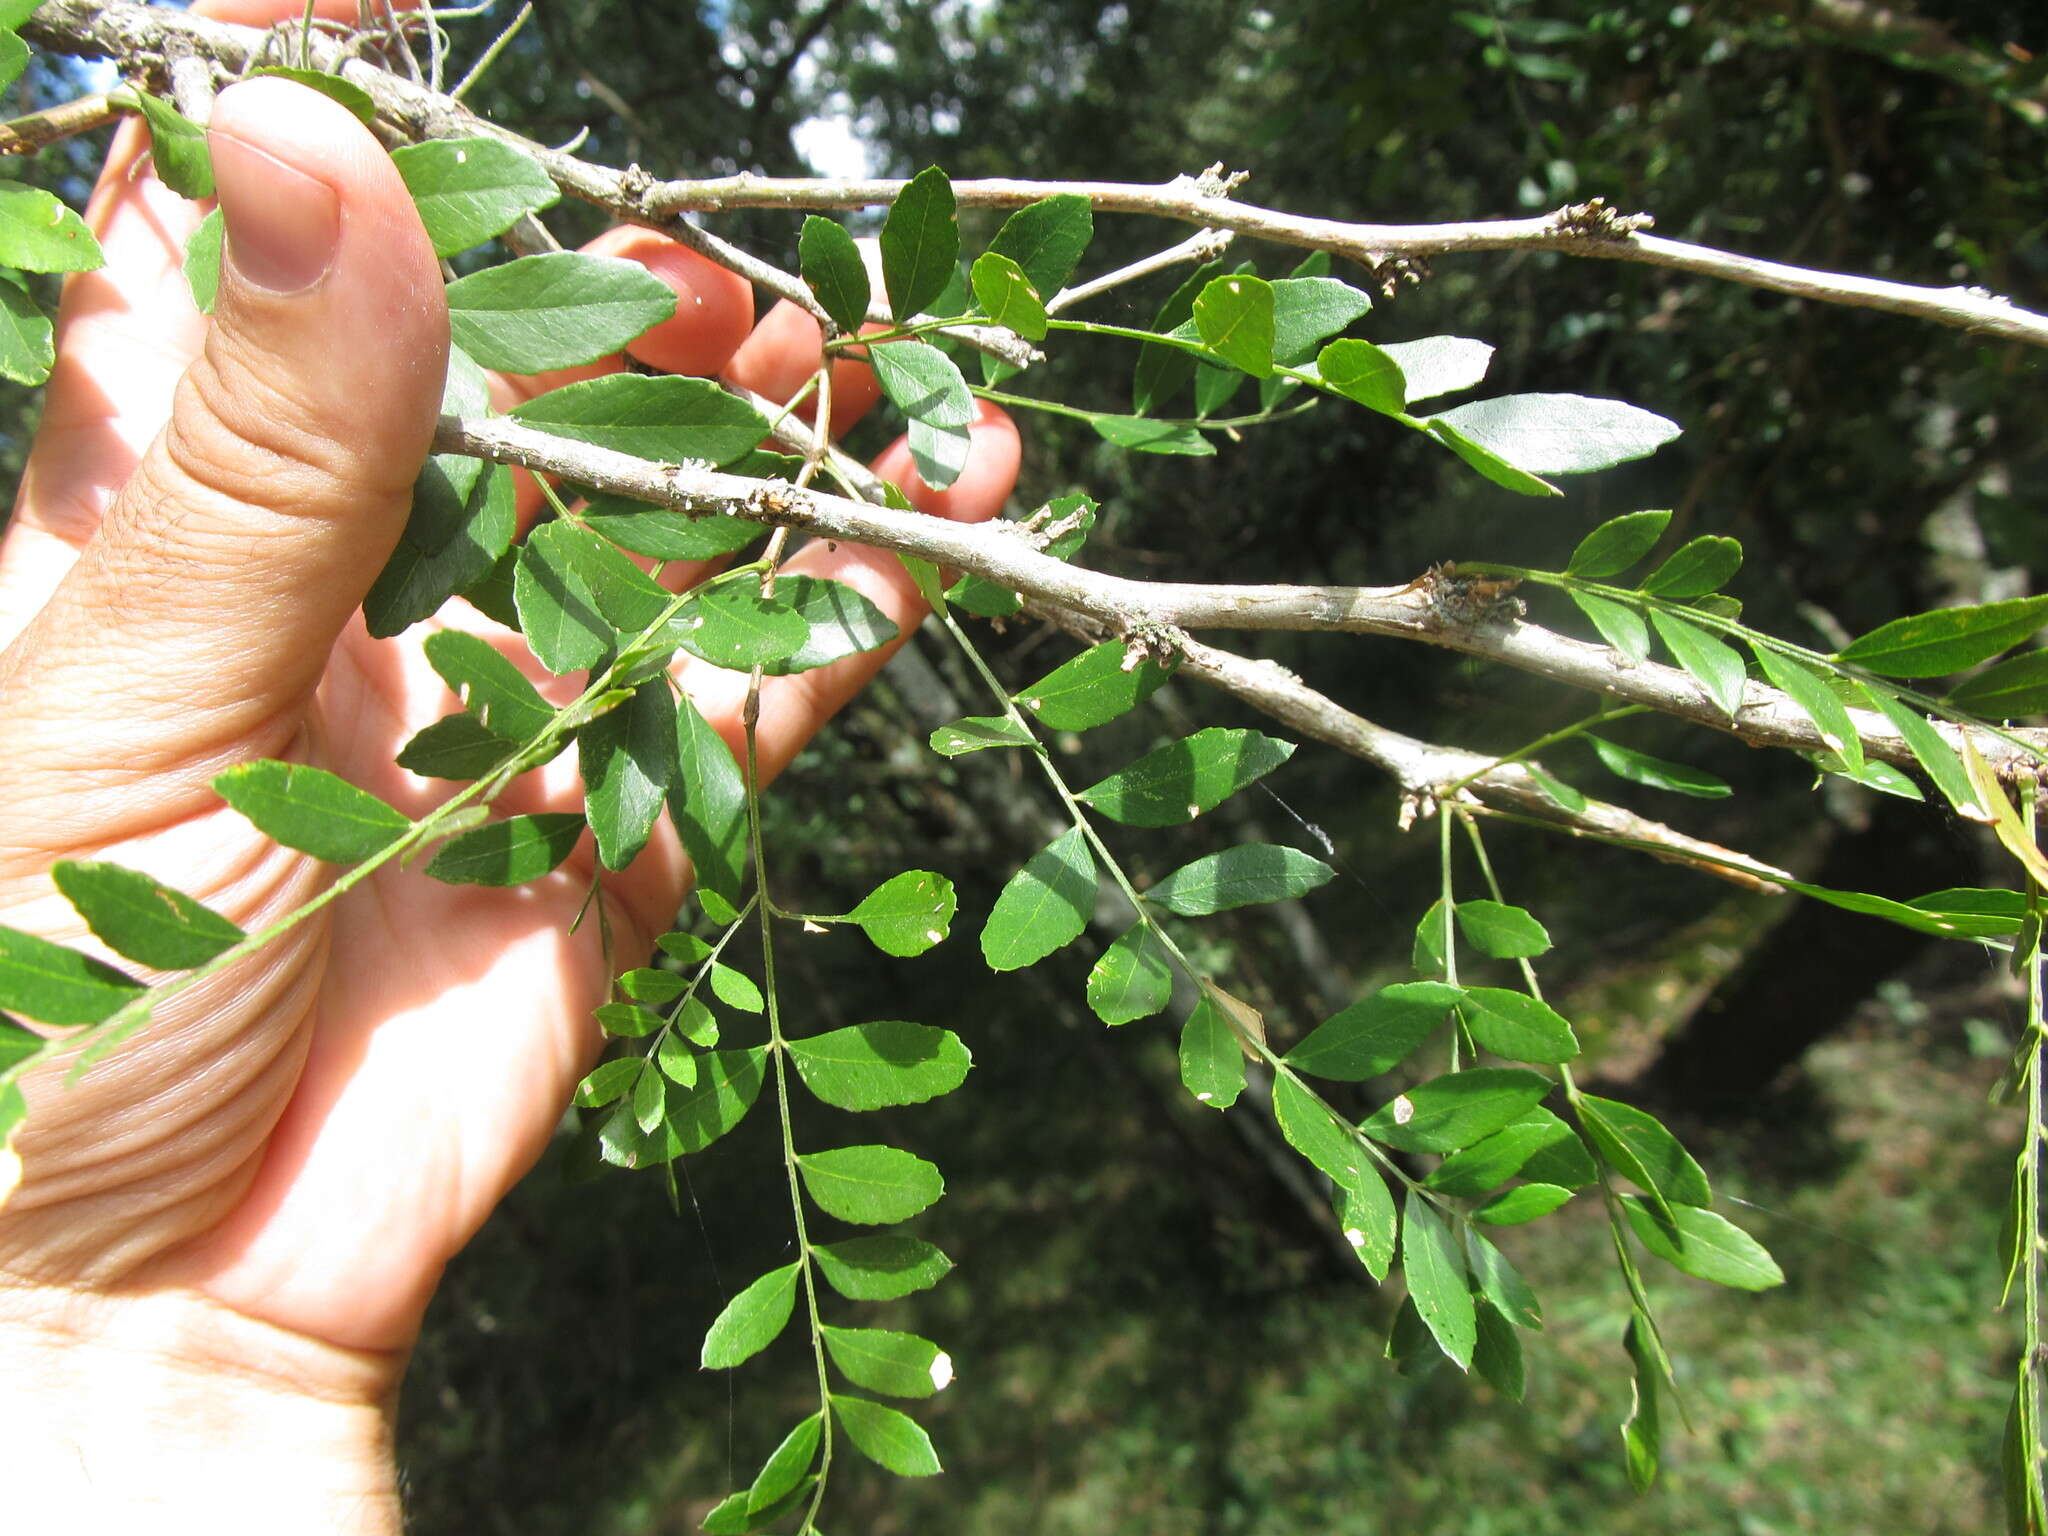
<point x="1155" y="1328"/>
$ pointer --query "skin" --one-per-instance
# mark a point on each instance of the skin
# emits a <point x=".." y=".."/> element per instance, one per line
<point x="227" y="1233"/>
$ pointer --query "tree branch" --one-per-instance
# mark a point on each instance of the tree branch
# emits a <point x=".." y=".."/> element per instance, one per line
<point x="127" y="31"/>
<point x="1160" y="610"/>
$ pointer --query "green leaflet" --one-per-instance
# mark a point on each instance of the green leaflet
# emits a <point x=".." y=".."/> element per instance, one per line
<point x="1439" y="365"/>
<point x="1143" y="435"/>
<point x="449" y="546"/>
<point x="907" y="914"/>
<point x="1497" y="1352"/>
<point x="1490" y="464"/>
<point x="55" y="985"/>
<point x="1641" y="1436"/>
<point x="873" y="1066"/>
<point x="1641" y="1149"/>
<point x="1318" y="1135"/>
<point x="873" y="1185"/>
<point x="312" y="810"/>
<point x="976" y="733"/>
<point x="1516" y="1025"/>
<point x="628" y="1020"/>
<point x="1538" y="1146"/>
<point x="1366" y="1213"/>
<point x="1376" y="1034"/>
<point x="1043" y="907"/>
<point x="751" y="1320"/>
<point x="881" y="1268"/>
<point x="1363" y="372"/>
<point x="839" y="622"/>
<point x="1457" y="1109"/>
<point x="1525" y="1202"/>
<point x="1696" y="568"/>
<point x="665" y="533"/>
<point x="708" y="804"/>
<point x="1620" y="626"/>
<point x="1616" y="545"/>
<point x="178" y="147"/>
<point x="787" y="1464"/>
<point x="609" y="1080"/>
<point x="886" y="1437"/>
<point x="333" y="87"/>
<point x="141" y="918"/>
<point x="1046" y="239"/>
<point x="1436" y="1281"/>
<point x="882" y="1360"/>
<point x="471" y="190"/>
<point x="1657" y="772"/>
<point x="1240" y="876"/>
<point x="2017" y="686"/>
<point x="1179" y="781"/>
<point x="938" y="451"/>
<point x="1714" y="664"/>
<point x="1947" y="639"/>
<point x="1559" y="434"/>
<point x="39" y="234"/>
<point x="1500" y="931"/>
<point x="664" y="418"/>
<point x="1500" y="1283"/>
<point x="1161" y="370"/>
<point x="1714" y="1248"/>
<point x="1133" y="979"/>
<point x="1932" y="751"/>
<point x="831" y="266"/>
<point x="1006" y="295"/>
<point x="923" y="383"/>
<point x="920" y="243"/>
<point x="554" y="310"/>
<point x="26" y="347"/>
<point x="736" y="989"/>
<point x="728" y="1082"/>
<point x="1234" y="317"/>
<point x="1830" y="716"/>
<point x="1307" y="309"/>
<point x="733" y="626"/>
<point x="493" y="691"/>
<point x="628" y="761"/>
<point x="1211" y="1065"/>
<point x="508" y="852"/>
<point x="454" y="747"/>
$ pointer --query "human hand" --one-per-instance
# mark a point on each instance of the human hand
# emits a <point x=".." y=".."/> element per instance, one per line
<point x="274" y="1173"/>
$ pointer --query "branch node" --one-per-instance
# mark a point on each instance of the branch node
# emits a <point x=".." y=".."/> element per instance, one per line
<point x="1597" y="219"/>
<point x="1470" y="602"/>
<point x="1213" y="182"/>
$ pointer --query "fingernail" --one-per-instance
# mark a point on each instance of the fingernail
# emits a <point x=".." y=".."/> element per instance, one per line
<point x="283" y="225"/>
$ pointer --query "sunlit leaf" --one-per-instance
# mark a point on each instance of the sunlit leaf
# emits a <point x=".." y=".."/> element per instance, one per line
<point x="312" y="810"/>
<point x="831" y="264"/>
<point x="1457" y="1109"/>
<point x="839" y="622"/>
<point x="1947" y="639"/>
<point x="1237" y="877"/>
<point x="1525" y="1202"/>
<point x="1656" y="772"/>
<point x="555" y="310"/>
<point x="201" y="265"/>
<point x="1714" y="665"/>
<point x="1490" y="464"/>
<point x="39" y="234"/>
<point x="1363" y="372"/>
<point x="751" y="1320"/>
<point x="490" y="685"/>
<point x="660" y="417"/>
<point x="1308" y="309"/>
<point x="1375" y="1034"/>
<point x="736" y="989"/>
<point x="1133" y="979"/>
<point x="920" y="243"/>
<point x="628" y="760"/>
<point x="1694" y="569"/>
<point x="873" y="1066"/>
<point x="1560" y="434"/>
<point x="908" y="913"/>
<point x="1365" y="1214"/>
<point x="732" y="625"/>
<point x="1642" y="1438"/>
<point x="1142" y="435"/>
<point x="1211" y="1065"/>
<point x="1830" y="716"/>
<point x="508" y="852"/>
<point x="708" y="804"/>
<point x="976" y="733"/>
<point x="333" y="87"/>
<point x="1439" y="365"/>
<point x="177" y="147"/>
<point x="1493" y="1160"/>
<point x="1516" y="1025"/>
<point x="886" y="1437"/>
<point x="1179" y="781"/>
<point x="667" y="534"/>
<point x="1499" y="1282"/>
<point x="1006" y="295"/>
<point x="1234" y="316"/>
<point x="873" y="1185"/>
<point x="470" y="190"/>
<point x="1436" y="1280"/>
<point x="1620" y="625"/>
<point x="883" y="1360"/>
<point x="2017" y="686"/>
<point x="881" y="1268"/>
<point x="1932" y="751"/>
<point x="1043" y="907"/>
<point x="1636" y="1143"/>
<point x="53" y="984"/>
<point x="1715" y="1248"/>
<point x="1617" y="544"/>
<point x="609" y="1081"/>
<point x="787" y="1464"/>
<point x="1046" y="239"/>
<point x="142" y="918"/>
<point x="1318" y="1135"/>
<point x="1503" y="932"/>
<point x="454" y="747"/>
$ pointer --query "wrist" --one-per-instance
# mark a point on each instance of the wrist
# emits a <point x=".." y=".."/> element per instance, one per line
<point x="169" y="1413"/>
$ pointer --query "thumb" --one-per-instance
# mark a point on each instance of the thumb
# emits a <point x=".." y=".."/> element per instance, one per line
<point x="223" y="571"/>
